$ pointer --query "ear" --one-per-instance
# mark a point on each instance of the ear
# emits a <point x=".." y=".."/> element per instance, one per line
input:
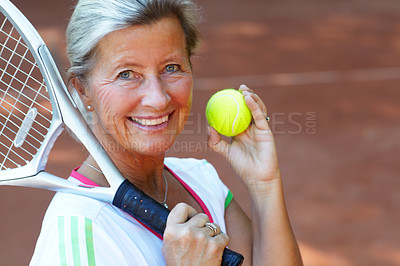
<point x="83" y="93"/>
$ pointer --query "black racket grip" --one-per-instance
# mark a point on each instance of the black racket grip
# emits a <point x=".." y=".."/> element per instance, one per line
<point x="231" y="258"/>
<point x="151" y="213"/>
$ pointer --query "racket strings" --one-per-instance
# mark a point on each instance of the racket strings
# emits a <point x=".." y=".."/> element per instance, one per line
<point x="25" y="113"/>
<point x="10" y="158"/>
<point x="25" y="105"/>
<point x="15" y="125"/>
<point x="28" y="76"/>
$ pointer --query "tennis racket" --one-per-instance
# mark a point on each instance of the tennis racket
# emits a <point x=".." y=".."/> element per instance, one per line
<point x="35" y="107"/>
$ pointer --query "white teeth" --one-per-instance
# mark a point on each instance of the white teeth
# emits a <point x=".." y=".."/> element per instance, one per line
<point x="151" y="122"/>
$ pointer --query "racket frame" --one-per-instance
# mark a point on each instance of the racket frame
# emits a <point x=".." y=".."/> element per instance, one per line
<point x="64" y="113"/>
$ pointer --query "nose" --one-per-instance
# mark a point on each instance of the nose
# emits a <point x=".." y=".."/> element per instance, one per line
<point x="155" y="94"/>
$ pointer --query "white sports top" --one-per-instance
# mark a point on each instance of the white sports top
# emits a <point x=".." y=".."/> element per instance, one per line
<point x="77" y="230"/>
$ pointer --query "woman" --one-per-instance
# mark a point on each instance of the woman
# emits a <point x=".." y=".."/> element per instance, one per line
<point x="131" y="69"/>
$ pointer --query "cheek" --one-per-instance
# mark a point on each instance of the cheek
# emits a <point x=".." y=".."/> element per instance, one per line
<point x="183" y="98"/>
<point x="114" y="100"/>
<point x="105" y="98"/>
<point x="181" y="93"/>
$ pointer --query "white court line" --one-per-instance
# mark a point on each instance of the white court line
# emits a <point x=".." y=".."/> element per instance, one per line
<point x="295" y="79"/>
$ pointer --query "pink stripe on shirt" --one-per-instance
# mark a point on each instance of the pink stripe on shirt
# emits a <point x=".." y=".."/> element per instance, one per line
<point x="86" y="181"/>
<point x="194" y="194"/>
<point x="83" y="179"/>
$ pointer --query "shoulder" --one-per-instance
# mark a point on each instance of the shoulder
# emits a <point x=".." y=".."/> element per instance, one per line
<point x="198" y="173"/>
<point x="65" y="204"/>
<point x="183" y="165"/>
<point x="183" y="162"/>
<point x="201" y="177"/>
<point x="87" y="230"/>
<point x="67" y="230"/>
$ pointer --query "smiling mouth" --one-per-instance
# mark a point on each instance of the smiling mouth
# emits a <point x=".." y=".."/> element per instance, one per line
<point x="151" y="122"/>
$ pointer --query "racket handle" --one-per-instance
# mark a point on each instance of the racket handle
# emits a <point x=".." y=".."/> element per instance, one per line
<point x="151" y="213"/>
<point x="142" y="207"/>
<point x="231" y="258"/>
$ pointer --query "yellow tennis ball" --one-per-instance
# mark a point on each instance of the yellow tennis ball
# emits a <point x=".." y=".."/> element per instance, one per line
<point x="228" y="113"/>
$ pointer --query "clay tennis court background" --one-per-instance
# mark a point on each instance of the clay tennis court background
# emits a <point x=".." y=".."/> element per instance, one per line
<point x="329" y="72"/>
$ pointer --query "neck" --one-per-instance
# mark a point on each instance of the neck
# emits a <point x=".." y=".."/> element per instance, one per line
<point x="145" y="172"/>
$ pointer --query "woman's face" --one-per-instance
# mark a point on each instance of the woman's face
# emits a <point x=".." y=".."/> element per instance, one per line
<point x="141" y="87"/>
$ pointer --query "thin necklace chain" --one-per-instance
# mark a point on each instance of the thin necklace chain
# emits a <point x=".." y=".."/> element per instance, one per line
<point x="94" y="168"/>
<point x="166" y="191"/>
<point x="165" y="180"/>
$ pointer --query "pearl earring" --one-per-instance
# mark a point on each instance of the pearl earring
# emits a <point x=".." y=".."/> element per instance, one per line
<point x="89" y="107"/>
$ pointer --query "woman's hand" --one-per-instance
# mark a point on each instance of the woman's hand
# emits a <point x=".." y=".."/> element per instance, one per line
<point x="252" y="153"/>
<point x="188" y="242"/>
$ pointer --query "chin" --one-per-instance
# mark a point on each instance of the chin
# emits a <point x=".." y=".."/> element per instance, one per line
<point x="154" y="148"/>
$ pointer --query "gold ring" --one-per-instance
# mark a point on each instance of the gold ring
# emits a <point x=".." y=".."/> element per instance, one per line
<point x="213" y="227"/>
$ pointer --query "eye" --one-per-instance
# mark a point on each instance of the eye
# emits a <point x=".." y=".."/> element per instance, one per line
<point x="127" y="74"/>
<point x="171" y="68"/>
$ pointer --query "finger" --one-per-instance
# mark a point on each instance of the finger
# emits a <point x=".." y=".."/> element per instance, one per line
<point x="243" y="88"/>
<point x="259" y="115"/>
<point x="216" y="143"/>
<point x="180" y="214"/>
<point x="198" y="220"/>
<point x="222" y="239"/>
<point x="212" y="229"/>
<point x="247" y="91"/>
<point x="219" y="243"/>
<point x="258" y="100"/>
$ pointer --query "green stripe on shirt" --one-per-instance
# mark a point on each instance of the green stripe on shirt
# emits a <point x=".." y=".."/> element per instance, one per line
<point x="89" y="242"/>
<point x="228" y="199"/>
<point x="75" y="241"/>
<point x="61" y="241"/>
<point x="74" y="231"/>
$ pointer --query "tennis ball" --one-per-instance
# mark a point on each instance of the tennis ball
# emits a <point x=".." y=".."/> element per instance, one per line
<point x="228" y="113"/>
